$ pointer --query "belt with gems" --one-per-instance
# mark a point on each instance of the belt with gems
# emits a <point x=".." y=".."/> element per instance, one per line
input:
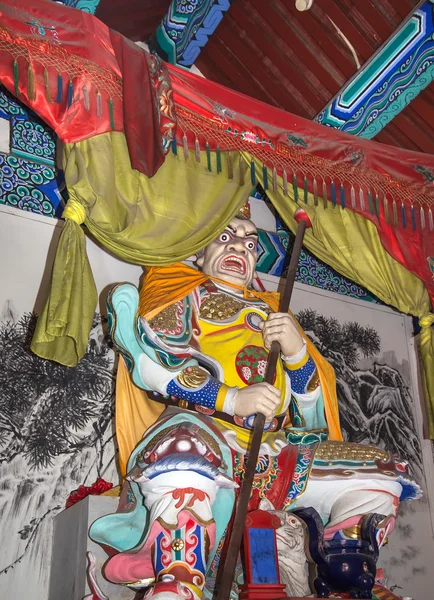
<point x="276" y="424"/>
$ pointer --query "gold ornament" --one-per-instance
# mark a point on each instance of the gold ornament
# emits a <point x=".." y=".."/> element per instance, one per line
<point x="177" y="545"/>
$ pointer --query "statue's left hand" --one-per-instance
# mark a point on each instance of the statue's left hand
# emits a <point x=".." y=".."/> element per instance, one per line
<point x="281" y="328"/>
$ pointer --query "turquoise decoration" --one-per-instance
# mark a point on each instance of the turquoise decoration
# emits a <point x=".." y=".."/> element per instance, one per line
<point x="265" y="178"/>
<point x="70" y="93"/>
<point x="88" y="6"/>
<point x="342" y="192"/>
<point x="28" y="179"/>
<point x="59" y="89"/>
<point x="252" y="173"/>
<point x="174" y="147"/>
<point x="387" y="82"/>
<point x="333" y="193"/>
<point x="186" y="28"/>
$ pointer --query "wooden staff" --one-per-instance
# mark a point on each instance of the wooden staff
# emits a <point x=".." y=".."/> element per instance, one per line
<point x="258" y="428"/>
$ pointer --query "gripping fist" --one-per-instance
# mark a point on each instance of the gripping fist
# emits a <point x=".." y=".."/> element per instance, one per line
<point x="281" y="328"/>
<point x="260" y="397"/>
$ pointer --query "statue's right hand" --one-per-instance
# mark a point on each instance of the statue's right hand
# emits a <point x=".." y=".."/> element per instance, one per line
<point x="258" y="398"/>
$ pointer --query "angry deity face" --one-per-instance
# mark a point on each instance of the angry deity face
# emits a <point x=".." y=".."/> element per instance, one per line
<point x="233" y="255"/>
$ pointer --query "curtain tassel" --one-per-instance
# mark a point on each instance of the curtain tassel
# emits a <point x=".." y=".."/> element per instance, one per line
<point x="422" y="218"/>
<point x="315" y="192"/>
<point x="47" y="86"/>
<point x="377" y="205"/>
<point x="174" y="147"/>
<point x="185" y="146"/>
<point x="70" y="93"/>
<point x="362" y="199"/>
<point x="230" y="165"/>
<point x="386" y="209"/>
<point x="265" y="177"/>
<point x="324" y="194"/>
<point x="31" y="83"/>
<point x="241" y="165"/>
<point x="274" y="180"/>
<point x="98" y="104"/>
<point x="197" y="149"/>
<point x="295" y="187"/>
<point x="59" y="88"/>
<point x="305" y="190"/>
<point x="16" y="77"/>
<point x="333" y="193"/>
<point x="218" y="159"/>
<point x="403" y="215"/>
<point x="342" y="193"/>
<point x="353" y="197"/>
<point x="252" y="173"/>
<point x="208" y="157"/>
<point x="112" y="115"/>
<point x="285" y="182"/>
<point x="86" y="99"/>
<point x="413" y="218"/>
<point x="430" y="220"/>
<point x="371" y="202"/>
<point x="395" y="214"/>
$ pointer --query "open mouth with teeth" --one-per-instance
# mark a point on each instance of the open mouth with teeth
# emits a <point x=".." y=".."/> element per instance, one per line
<point x="234" y="263"/>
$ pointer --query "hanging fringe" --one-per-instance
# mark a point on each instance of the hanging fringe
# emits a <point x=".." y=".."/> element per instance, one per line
<point x="253" y="172"/>
<point x="305" y="190"/>
<point x="265" y="177"/>
<point x="386" y="209"/>
<point x="241" y="165"/>
<point x="413" y="218"/>
<point x="362" y="199"/>
<point x="86" y="99"/>
<point x="31" y="83"/>
<point x="274" y="180"/>
<point x="343" y="201"/>
<point x="403" y="215"/>
<point x="98" y="104"/>
<point x="353" y="197"/>
<point x="371" y="203"/>
<point x="185" y="146"/>
<point x="333" y="193"/>
<point x="230" y="166"/>
<point x="47" y="86"/>
<point x="197" y="149"/>
<point x="70" y="92"/>
<point x="218" y="160"/>
<point x="59" y="88"/>
<point x="208" y="157"/>
<point x="377" y="205"/>
<point x="16" y="78"/>
<point x="174" y="146"/>
<point x="285" y="183"/>
<point x="430" y="220"/>
<point x="324" y="194"/>
<point x="295" y="187"/>
<point x="395" y="214"/>
<point x="315" y="192"/>
<point x="422" y="218"/>
<point x="112" y="114"/>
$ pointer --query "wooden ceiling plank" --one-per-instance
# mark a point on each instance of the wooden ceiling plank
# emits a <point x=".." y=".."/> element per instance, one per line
<point x="243" y="47"/>
<point x="366" y="13"/>
<point x="393" y="136"/>
<point x="329" y="54"/>
<point x="287" y="67"/>
<point x="418" y="135"/>
<point x="303" y="52"/>
<point x="328" y="10"/>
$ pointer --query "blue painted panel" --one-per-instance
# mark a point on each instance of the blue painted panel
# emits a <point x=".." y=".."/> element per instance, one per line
<point x="263" y="556"/>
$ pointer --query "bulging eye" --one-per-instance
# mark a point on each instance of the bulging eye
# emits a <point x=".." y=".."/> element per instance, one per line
<point x="224" y="237"/>
<point x="250" y="245"/>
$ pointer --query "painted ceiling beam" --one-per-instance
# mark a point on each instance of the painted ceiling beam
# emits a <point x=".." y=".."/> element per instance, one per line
<point x="395" y="74"/>
<point x="186" y="28"/>
<point x="88" y="6"/>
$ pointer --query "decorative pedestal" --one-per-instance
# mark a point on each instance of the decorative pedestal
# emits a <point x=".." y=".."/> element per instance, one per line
<point x="71" y="542"/>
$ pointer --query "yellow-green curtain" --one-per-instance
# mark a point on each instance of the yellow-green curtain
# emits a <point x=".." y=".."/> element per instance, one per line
<point x="145" y="221"/>
<point x="351" y="245"/>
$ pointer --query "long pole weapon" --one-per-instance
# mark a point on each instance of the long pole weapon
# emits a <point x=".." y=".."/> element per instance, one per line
<point x="258" y="427"/>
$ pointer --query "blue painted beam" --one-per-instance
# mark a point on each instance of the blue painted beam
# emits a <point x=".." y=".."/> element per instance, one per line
<point x="186" y="28"/>
<point x="88" y="6"/>
<point x="388" y="81"/>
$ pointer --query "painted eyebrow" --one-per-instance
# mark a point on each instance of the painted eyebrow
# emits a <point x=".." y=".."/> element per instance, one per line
<point x="248" y="233"/>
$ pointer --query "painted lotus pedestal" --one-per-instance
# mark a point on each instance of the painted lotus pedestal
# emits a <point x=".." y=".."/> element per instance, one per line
<point x="194" y="345"/>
